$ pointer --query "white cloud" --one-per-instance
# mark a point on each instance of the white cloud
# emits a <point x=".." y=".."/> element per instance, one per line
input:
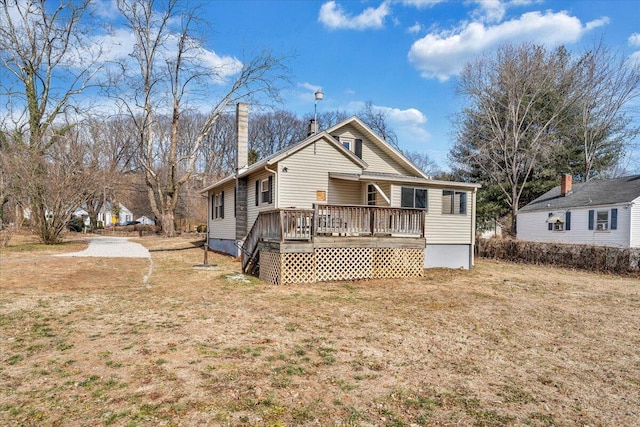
<point x="334" y="17"/>
<point x="105" y="8"/>
<point x="441" y="55"/>
<point x="490" y="11"/>
<point x="420" y="4"/>
<point x="118" y="45"/>
<point x="524" y="2"/>
<point x="408" y="124"/>
<point x="415" y="28"/>
<point x="634" y="40"/>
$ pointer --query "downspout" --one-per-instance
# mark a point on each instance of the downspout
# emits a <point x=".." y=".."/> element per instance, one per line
<point x="473" y="229"/>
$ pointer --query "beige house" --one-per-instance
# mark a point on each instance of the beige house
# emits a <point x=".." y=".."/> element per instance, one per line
<point x="341" y="204"/>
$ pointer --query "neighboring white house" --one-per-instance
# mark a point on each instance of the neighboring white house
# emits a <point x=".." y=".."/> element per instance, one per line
<point x="124" y="215"/>
<point x="598" y="212"/>
<point x="345" y="165"/>
<point x="145" y="220"/>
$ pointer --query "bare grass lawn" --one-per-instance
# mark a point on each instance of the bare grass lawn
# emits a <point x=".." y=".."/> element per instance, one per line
<point x="84" y="341"/>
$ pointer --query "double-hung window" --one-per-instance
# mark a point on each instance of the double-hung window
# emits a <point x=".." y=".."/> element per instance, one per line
<point x="264" y="191"/>
<point x="217" y="206"/>
<point x="603" y="219"/>
<point x="454" y="202"/>
<point x="412" y="197"/>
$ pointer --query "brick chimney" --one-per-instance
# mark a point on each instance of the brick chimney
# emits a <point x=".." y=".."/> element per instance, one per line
<point x="565" y="184"/>
<point x="242" y="132"/>
<point x="312" y="127"/>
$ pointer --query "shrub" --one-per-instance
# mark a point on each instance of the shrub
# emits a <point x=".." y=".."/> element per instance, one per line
<point x="586" y="257"/>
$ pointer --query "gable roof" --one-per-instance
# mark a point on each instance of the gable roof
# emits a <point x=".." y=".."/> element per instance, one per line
<point x="326" y="136"/>
<point x="593" y="193"/>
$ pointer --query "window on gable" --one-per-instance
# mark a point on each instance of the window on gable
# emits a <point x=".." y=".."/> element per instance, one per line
<point x="411" y="197"/>
<point x="347" y="143"/>
<point x="454" y="202"/>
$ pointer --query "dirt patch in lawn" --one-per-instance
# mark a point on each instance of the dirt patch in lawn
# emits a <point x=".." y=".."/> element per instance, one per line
<point x="87" y="341"/>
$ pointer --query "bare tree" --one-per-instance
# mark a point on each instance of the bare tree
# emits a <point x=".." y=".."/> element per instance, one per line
<point x="424" y="162"/>
<point x="377" y="120"/>
<point x="218" y="152"/>
<point x="608" y="84"/>
<point x="110" y="145"/>
<point x="171" y="68"/>
<point x="272" y="131"/>
<point x="517" y="97"/>
<point x="46" y="61"/>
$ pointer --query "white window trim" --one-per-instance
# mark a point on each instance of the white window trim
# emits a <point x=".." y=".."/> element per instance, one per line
<point x="217" y="206"/>
<point x="456" y="193"/>
<point x="264" y="183"/>
<point x="603" y="225"/>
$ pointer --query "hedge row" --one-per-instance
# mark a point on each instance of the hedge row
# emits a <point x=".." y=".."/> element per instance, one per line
<point x="586" y="257"/>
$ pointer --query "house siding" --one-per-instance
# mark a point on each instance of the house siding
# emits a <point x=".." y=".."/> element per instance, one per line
<point x="532" y="226"/>
<point x="252" y="210"/>
<point x="634" y="223"/>
<point x="376" y="158"/>
<point x="442" y="228"/>
<point x="223" y="228"/>
<point x="308" y="172"/>
<point x="343" y="192"/>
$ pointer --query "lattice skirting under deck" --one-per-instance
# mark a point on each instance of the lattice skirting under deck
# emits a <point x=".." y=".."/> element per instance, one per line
<point x="326" y="264"/>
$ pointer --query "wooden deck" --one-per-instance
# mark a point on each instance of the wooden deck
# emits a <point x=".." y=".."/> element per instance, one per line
<point x="335" y="242"/>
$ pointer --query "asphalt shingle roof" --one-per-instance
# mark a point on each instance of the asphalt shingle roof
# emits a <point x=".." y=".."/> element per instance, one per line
<point x="592" y="193"/>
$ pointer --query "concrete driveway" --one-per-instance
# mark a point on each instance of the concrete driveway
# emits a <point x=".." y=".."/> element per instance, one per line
<point x="112" y="247"/>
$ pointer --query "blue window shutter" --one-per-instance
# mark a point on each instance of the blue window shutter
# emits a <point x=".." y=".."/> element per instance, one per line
<point x="270" y="188"/>
<point x="591" y="218"/>
<point x="213" y="206"/>
<point x="614" y="219"/>
<point x="359" y="148"/>
<point x="567" y="221"/>
<point x="550" y="226"/>
<point x="222" y="205"/>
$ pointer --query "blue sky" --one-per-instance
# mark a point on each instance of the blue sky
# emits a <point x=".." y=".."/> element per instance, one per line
<point x="404" y="55"/>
